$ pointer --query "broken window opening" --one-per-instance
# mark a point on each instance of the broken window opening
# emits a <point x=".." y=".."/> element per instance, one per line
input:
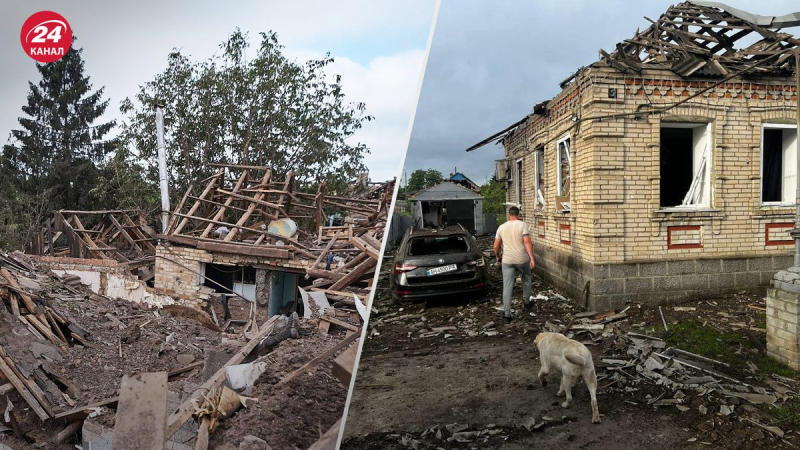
<point x="563" y="171"/>
<point x="778" y="164"/>
<point x="239" y="279"/>
<point x="518" y="181"/>
<point x="538" y="179"/>
<point x="685" y="165"/>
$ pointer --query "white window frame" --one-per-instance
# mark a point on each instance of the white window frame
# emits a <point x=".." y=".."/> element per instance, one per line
<point x="559" y="173"/>
<point x="780" y="126"/>
<point x="706" y="160"/>
<point x="538" y="162"/>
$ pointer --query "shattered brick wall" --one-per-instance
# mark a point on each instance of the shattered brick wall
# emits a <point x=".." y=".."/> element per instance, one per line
<point x="616" y="219"/>
<point x="177" y="269"/>
<point x="176" y="274"/>
<point x="106" y="277"/>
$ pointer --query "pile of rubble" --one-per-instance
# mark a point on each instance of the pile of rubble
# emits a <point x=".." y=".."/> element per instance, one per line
<point x="78" y="367"/>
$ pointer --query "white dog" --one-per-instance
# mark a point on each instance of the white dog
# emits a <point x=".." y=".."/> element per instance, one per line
<point x="573" y="360"/>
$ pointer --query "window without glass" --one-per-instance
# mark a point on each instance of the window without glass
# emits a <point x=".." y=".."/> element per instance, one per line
<point x="685" y="165"/>
<point x="538" y="179"/>
<point x="778" y="164"/>
<point x="563" y="170"/>
<point x="518" y="181"/>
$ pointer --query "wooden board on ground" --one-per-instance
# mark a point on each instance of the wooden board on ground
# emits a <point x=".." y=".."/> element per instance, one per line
<point x="142" y="412"/>
<point x="343" y="365"/>
<point x="337" y="322"/>
<point x="328" y="440"/>
<point x="184" y="412"/>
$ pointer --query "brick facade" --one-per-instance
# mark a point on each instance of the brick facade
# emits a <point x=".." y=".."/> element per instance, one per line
<point x="177" y="268"/>
<point x="616" y="222"/>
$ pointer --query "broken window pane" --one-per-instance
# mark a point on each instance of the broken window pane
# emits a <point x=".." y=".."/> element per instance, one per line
<point x="685" y="165"/>
<point x="423" y="246"/>
<point x="538" y="179"/>
<point x="564" y="168"/>
<point x="779" y="164"/>
<point x="518" y="180"/>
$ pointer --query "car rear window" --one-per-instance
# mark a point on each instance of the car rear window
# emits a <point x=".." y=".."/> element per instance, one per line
<point x="437" y="245"/>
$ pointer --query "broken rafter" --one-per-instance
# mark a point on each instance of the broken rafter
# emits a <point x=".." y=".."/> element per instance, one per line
<point x="689" y="37"/>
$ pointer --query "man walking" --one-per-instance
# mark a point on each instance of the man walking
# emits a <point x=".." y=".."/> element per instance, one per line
<point x="516" y="257"/>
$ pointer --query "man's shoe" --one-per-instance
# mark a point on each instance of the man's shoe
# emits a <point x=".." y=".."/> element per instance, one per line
<point x="529" y="305"/>
<point x="507" y="319"/>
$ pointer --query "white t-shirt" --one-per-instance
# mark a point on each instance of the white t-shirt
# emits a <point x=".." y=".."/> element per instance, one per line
<point x="511" y="233"/>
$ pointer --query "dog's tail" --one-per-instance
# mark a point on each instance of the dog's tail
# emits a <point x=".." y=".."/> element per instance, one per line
<point x="575" y="357"/>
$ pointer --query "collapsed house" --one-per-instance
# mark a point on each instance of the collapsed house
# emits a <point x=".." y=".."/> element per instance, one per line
<point x="123" y="237"/>
<point x="256" y="299"/>
<point x="667" y="169"/>
<point x="76" y="366"/>
<point x="258" y="238"/>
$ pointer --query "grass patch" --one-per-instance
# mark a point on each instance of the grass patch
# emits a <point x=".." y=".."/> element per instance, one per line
<point x="723" y="346"/>
<point x="788" y="412"/>
<point x="761" y="322"/>
<point x="693" y="337"/>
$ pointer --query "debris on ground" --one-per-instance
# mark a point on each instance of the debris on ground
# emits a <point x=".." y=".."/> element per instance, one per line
<point x="66" y="353"/>
<point x="703" y="381"/>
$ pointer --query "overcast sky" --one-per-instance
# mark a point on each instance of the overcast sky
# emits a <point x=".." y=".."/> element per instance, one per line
<point x="490" y="62"/>
<point x="379" y="49"/>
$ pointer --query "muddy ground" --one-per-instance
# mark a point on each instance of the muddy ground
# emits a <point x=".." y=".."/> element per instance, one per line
<point x="450" y="374"/>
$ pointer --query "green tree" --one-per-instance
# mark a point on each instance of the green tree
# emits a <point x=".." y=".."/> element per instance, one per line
<point x="265" y="109"/>
<point x="494" y="199"/>
<point x="122" y="184"/>
<point x="59" y="145"/>
<point x="423" y="178"/>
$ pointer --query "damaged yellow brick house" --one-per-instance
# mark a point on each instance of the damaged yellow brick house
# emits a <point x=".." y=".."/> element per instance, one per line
<point x="667" y="169"/>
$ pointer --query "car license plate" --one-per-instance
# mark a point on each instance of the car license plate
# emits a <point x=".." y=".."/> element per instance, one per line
<point x="443" y="269"/>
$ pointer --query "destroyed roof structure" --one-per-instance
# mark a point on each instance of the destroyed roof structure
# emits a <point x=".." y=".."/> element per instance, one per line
<point x="700" y="38"/>
<point x="122" y="236"/>
<point x="463" y="180"/>
<point x="446" y="204"/>
<point x="245" y="222"/>
<point x="661" y="171"/>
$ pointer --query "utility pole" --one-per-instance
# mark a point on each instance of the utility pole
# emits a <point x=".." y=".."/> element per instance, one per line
<point x="163" y="177"/>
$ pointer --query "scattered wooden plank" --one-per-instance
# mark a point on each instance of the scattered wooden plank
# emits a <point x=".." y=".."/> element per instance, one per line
<point x="82" y="412"/>
<point x="185" y="411"/>
<point x="191" y="366"/>
<point x="22" y="390"/>
<point x="67" y="432"/>
<point x="343" y="365"/>
<point x="330" y="352"/>
<point x="142" y="412"/>
<point x="338" y="322"/>
<point x="328" y="440"/>
<point x="26" y="299"/>
<point x="366" y="248"/>
<point x="354" y="275"/>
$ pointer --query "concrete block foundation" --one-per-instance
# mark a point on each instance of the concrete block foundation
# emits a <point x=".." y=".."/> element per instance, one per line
<point x="610" y="286"/>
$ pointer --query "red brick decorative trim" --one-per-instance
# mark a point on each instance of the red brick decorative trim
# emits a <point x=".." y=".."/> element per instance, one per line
<point x="567" y="228"/>
<point x="774" y="226"/>
<point x="670" y="230"/>
<point x="541" y="228"/>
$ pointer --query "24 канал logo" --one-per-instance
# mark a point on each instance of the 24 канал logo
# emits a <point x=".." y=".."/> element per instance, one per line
<point x="46" y="36"/>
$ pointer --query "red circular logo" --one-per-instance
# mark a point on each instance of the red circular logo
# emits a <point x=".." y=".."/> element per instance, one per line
<point x="46" y="36"/>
